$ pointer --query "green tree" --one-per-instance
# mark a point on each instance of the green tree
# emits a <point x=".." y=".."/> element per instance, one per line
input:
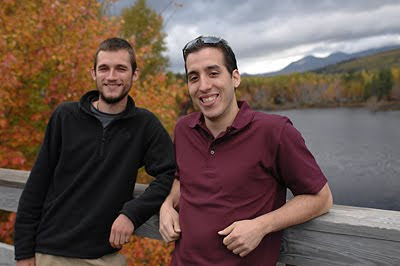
<point x="144" y="25"/>
<point x="385" y="82"/>
<point x="380" y="85"/>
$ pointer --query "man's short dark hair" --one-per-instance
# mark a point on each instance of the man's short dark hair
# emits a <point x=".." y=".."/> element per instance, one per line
<point x="116" y="44"/>
<point x="215" y="42"/>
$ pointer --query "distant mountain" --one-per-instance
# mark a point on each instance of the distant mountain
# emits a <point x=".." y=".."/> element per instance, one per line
<point x="385" y="59"/>
<point x="310" y="62"/>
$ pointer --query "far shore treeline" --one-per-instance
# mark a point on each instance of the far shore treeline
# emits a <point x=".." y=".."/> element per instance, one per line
<point x="46" y="53"/>
<point x="373" y="82"/>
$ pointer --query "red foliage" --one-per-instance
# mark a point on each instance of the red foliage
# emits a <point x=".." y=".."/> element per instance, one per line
<point x="147" y="252"/>
<point x="7" y="221"/>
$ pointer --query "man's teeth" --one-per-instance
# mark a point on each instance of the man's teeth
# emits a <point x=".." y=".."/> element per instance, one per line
<point x="209" y="99"/>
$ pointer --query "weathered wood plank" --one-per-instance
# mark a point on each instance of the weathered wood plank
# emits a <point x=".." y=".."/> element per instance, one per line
<point x="150" y="228"/>
<point x="6" y="255"/>
<point x="308" y="247"/>
<point x="356" y="221"/>
<point x="345" y="236"/>
<point x="18" y="178"/>
<point x="13" y="178"/>
<point x="9" y="198"/>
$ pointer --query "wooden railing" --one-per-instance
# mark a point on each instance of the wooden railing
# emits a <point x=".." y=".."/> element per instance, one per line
<point x="345" y="236"/>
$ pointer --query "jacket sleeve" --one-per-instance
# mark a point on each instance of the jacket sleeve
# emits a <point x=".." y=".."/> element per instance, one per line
<point x="35" y="190"/>
<point x="160" y="163"/>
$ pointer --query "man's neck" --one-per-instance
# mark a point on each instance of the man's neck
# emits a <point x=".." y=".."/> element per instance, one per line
<point x="114" y="108"/>
<point x="221" y="124"/>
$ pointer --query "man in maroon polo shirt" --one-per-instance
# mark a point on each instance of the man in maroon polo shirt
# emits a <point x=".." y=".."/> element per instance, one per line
<point x="228" y="203"/>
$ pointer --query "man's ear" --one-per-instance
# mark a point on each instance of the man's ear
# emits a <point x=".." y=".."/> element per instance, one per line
<point x="93" y="72"/>
<point x="236" y="78"/>
<point x="135" y="75"/>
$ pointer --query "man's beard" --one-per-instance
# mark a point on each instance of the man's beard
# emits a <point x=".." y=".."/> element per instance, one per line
<point x="113" y="100"/>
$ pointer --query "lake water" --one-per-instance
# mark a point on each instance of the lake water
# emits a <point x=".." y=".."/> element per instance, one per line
<point x="358" y="150"/>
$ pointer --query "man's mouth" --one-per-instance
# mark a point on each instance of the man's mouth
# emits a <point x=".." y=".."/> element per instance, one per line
<point x="208" y="99"/>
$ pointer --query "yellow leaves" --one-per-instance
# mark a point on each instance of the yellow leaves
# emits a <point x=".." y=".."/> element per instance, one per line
<point x="147" y="252"/>
<point x="159" y="94"/>
<point x="47" y="53"/>
<point x="46" y="48"/>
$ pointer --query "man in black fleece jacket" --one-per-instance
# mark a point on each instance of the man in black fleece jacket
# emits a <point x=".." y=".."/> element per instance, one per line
<point x="77" y="205"/>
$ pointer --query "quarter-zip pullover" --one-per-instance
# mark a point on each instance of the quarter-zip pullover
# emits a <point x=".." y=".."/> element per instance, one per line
<point x="84" y="177"/>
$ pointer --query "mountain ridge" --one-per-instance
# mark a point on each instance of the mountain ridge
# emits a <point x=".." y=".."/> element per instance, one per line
<point x="312" y="63"/>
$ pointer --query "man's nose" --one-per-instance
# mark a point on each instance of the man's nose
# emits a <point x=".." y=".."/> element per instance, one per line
<point x="111" y="74"/>
<point x="205" y="84"/>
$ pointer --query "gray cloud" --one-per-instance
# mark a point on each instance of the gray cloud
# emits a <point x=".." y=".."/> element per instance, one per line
<point x="268" y="30"/>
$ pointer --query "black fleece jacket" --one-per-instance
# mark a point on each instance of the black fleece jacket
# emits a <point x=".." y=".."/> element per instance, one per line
<point x="84" y="177"/>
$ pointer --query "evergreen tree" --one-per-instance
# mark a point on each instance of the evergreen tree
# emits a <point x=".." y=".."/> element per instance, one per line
<point x="380" y="85"/>
<point x="385" y="83"/>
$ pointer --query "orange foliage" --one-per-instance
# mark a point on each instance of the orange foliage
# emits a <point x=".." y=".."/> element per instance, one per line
<point x="147" y="252"/>
<point x="161" y="96"/>
<point x="7" y="227"/>
<point x="46" y="51"/>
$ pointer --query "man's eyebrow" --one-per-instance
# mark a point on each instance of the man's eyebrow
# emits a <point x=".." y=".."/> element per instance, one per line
<point x="118" y="65"/>
<point x="212" y="67"/>
<point x="192" y="73"/>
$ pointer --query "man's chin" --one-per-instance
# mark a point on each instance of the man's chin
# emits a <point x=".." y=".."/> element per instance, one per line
<point x="113" y="99"/>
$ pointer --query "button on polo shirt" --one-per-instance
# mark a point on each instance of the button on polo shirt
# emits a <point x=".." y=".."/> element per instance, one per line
<point x="241" y="174"/>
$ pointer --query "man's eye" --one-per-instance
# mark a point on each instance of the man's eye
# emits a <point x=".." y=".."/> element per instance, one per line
<point x="214" y="73"/>
<point x="192" y="78"/>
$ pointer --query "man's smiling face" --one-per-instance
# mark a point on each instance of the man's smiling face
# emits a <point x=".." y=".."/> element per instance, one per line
<point x="113" y="75"/>
<point x="211" y="86"/>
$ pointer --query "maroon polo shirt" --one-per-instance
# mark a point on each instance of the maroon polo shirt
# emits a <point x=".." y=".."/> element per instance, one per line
<point x="241" y="174"/>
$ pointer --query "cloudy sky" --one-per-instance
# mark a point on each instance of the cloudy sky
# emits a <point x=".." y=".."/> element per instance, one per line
<point x="266" y="35"/>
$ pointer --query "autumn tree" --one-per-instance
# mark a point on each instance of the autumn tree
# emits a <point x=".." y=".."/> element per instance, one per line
<point x="46" y="51"/>
<point x="144" y="26"/>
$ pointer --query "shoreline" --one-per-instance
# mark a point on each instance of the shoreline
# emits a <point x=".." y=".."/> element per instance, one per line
<point x="372" y="105"/>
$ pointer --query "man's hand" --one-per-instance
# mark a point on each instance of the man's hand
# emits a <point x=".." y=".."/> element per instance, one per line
<point x="121" y="231"/>
<point x="170" y="228"/>
<point x="26" y="262"/>
<point x="242" y="237"/>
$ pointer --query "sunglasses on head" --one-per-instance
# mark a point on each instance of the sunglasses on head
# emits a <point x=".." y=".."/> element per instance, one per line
<point x="202" y="39"/>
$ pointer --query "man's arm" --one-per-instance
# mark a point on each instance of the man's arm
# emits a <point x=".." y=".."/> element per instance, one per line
<point x="242" y="237"/>
<point x="33" y="196"/>
<point x="159" y="162"/>
<point x="170" y="228"/>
